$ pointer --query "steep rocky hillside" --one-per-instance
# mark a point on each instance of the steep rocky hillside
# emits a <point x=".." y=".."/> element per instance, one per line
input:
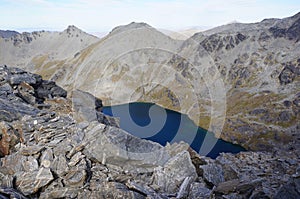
<point x="46" y="153"/>
<point x="240" y="81"/>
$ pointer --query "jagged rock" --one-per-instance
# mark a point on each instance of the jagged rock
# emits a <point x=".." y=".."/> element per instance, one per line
<point x="59" y="165"/>
<point x="57" y="190"/>
<point x="113" y="190"/>
<point x="6" y="180"/>
<point x="76" y="175"/>
<point x="13" y="163"/>
<point x="184" y="188"/>
<point x="107" y="120"/>
<point x="199" y="191"/>
<point x="113" y="146"/>
<point x="17" y="79"/>
<point x="226" y="187"/>
<point x="49" y="89"/>
<point x="46" y="158"/>
<point x="31" y="150"/>
<point x="26" y="92"/>
<point x="145" y="190"/>
<point x="6" y="192"/>
<point x="246" y="188"/>
<point x="87" y="108"/>
<point x="213" y="173"/>
<point x="291" y="190"/>
<point x="285" y="116"/>
<point x="286" y="76"/>
<point x="30" y="182"/>
<point x="172" y="174"/>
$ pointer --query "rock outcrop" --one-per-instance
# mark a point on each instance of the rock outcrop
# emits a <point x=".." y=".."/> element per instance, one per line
<point x="8" y="33"/>
<point x="48" y="154"/>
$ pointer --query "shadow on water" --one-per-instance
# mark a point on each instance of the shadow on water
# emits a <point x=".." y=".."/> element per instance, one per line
<point x="152" y="122"/>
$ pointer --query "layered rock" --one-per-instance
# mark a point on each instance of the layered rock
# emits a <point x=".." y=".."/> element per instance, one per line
<point x="54" y="156"/>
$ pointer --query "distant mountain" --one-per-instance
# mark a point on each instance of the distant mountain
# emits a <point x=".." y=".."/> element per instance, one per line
<point x="8" y="33"/>
<point x="245" y="76"/>
<point x="182" y="34"/>
<point x="43" y="48"/>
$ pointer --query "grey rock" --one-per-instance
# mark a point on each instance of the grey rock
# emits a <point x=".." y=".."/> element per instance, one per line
<point x="226" y="187"/>
<point x="113" y="146"/>
<point x="172" y="174"/>
<point x="13" y="163"/>
<point x="113" y="190"/>
<point x="258" y="111"/>
<point x="198" y="191"/>
<point x="107" y="120"/>
<point x="57" y="190"/>
<point x="287" y="103"/>
<point x="26" y="92"/>
<point x="286" y="76"/>
<point x="6" y="192"/>
<point x="76" y="176"/>
<point x="85" y="106"/>
<point x="145" y="190"/>
<point x="59" y="165"/>
<point x="46" y="158"/>
<point x="30" y="164"/>
<point x="49" y="89"/>
<point x="291" y="190"/>
<point x="19" y="78"/>
<point x="6" y="180"/>
<point x="31" y="150"/>
<point x="30" y="182"/>
<point x="246" y="188"/>
<point x="285" y="116"/>
<point x="213" y="173"/>
<point x="184" y="188"/>
<point x="5" y="90"/>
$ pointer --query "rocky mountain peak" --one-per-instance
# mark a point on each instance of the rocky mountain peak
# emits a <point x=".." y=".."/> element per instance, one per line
<point x="72" y="28"/>
<point x="131" y="26"/>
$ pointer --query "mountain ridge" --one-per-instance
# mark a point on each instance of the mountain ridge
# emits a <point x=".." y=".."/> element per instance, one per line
<point x="241" y="70"/>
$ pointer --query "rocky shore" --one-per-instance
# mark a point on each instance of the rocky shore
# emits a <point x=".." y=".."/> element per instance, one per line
<point x="54" y="146"/>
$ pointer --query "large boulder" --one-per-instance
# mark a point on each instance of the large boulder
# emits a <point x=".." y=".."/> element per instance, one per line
<point x="87" y="107"/>
<point x="170" y="176"/>
<point x="113" y="146"/>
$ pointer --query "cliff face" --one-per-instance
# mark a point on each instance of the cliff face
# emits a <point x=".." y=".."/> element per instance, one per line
<point x="240" y="81"/>
<point x="46" y="153"/>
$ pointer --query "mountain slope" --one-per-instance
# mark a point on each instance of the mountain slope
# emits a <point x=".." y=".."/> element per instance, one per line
<point x="41" y="49"/>
<point x="240" y="81"/>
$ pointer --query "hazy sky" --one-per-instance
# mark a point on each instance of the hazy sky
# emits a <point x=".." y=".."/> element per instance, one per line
<point x="103" y="15"/>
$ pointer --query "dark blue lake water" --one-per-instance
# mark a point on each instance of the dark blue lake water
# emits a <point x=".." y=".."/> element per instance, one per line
<point x="152" y="122"/>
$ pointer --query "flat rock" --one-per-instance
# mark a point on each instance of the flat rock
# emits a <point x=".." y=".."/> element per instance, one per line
<point x="114" y="146"/>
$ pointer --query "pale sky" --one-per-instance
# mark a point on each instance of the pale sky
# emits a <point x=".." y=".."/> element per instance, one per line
<point x="103" y="15"/>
